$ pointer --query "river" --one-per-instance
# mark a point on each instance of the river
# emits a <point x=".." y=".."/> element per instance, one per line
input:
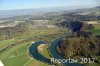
<point x="53" y="50"/>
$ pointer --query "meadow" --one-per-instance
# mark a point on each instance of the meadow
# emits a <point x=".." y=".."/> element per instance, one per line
<point x="18" y="55"/>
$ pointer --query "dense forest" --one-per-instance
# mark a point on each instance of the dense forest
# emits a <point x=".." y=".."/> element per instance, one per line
<point x="80" y="43"/>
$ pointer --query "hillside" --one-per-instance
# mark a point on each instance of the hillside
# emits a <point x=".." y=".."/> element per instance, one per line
<point x="90" y="11"/>
<point x="79" y="44"/>
<point x="65" y="34"/>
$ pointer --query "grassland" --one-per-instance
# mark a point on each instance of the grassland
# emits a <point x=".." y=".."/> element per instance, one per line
<point x="18" y="55"/>
<point x="96" y="30"/>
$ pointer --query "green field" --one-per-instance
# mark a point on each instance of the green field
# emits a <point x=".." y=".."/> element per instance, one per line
<point x="18" y="55"/>
<point x="96" y="30"/>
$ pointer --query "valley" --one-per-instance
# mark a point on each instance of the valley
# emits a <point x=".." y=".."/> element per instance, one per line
<point x="18" y="33"/>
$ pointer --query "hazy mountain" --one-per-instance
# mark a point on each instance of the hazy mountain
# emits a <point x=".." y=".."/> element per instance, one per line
<point x="7" y="13"/>
<point x="91" y="11"/>
<point x="18" y="12"/>
<point x="97" y="7"/>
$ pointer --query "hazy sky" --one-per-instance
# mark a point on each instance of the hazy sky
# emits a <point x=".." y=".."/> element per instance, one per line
<point x="25" y="4"/>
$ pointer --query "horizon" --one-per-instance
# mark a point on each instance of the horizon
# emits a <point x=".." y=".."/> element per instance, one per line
<point x="32" y="4"/>
<point x="68" y="7"/>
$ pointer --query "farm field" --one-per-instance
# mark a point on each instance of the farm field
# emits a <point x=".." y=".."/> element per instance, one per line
<point x="18" y="55"/>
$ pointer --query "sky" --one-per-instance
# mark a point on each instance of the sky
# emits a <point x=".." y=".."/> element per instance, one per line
<point x="27" y="4"/>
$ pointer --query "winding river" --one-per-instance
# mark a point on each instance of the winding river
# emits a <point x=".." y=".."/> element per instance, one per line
<point x="56" y="55"/>
<point x="35" y="54"/>
<point x="53" y="50"/>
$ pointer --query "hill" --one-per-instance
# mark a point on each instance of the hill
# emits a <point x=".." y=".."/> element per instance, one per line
<point x="79" y="44"/>
<point x="91" y="11"/>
